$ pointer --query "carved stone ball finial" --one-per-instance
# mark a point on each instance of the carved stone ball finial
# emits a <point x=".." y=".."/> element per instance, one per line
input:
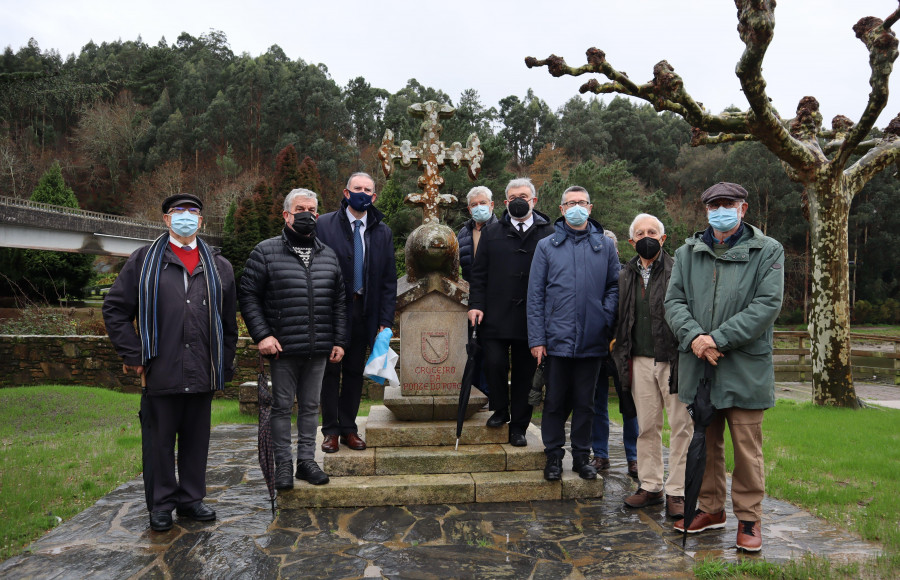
<point x="432" y="247"/>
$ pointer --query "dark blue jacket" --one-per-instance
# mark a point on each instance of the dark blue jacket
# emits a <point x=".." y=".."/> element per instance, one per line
<point x="380" y="275"/>
<point x="467" y="245"/>
<point x="573" y="293"/>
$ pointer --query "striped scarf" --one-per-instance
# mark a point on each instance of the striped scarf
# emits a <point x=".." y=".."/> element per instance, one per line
<point x="147" y="306"/>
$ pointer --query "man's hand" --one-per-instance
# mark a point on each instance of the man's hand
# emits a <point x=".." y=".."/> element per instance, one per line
<point x="539" y="352"/>
<point x="337" y="353"/>
<point x="269" y="346"/>
<point x="475" y="316"/>
<point x="380" y="328"/>
<point x="137" y="369"/>
<point x="701" y="343"/>
<point x="712" y="355"/>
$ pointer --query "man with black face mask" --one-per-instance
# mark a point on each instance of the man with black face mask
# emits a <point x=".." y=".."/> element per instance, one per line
<point x="646" y="355"/>
<point x="292" y="300"/>
<point x="498" y="288"/>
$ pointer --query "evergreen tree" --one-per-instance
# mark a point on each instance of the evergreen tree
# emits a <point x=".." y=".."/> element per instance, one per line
<point x="247" y="224"/>
<point x="308" y="178"/>
<point x="46" y="274"/>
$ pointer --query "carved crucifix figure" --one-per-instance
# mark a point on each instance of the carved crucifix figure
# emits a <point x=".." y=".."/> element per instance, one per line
<point x="431" y="155"/>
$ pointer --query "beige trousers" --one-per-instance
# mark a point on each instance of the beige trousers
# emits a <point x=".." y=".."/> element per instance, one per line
<point x="748" y="482"/>
<point x="650" y="389"/>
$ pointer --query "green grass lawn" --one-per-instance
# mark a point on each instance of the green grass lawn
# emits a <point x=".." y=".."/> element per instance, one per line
<point x="65" y="447"/>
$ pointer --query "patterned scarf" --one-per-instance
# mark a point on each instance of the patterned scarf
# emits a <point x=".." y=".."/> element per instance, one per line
<point x="147" y="307"/>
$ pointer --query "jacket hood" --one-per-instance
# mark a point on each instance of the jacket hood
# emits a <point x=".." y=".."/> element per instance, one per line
<point x="756" y="239"/>
<point x="374" y="214"/>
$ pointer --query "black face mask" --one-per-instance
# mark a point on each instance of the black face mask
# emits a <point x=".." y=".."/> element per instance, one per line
<point x="648" y="247"/>
<point x="519" y="208"/>
<point x="304" y="224"/>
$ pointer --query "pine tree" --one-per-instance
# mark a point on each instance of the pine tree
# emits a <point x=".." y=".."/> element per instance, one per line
<point x="308" y="178"/>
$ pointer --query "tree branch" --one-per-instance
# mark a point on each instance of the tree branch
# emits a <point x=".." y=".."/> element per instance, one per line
<point x="699" y="137"/>
<point x="878" y="158"/>
<point x="756" y="25"/>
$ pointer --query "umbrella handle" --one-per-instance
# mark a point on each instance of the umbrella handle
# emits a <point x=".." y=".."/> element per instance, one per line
<point x="475" y="331"/>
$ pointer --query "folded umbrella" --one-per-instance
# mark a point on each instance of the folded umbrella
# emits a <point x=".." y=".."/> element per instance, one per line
<point x="702" y="411"/>
<point x="382" y="363"/>
<point x="264" y="432"/>
<point x="536" y="394"/>
<point x="473" y="349"/>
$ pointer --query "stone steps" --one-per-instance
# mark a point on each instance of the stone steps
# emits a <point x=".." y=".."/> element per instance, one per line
<point x="416" y="462"/>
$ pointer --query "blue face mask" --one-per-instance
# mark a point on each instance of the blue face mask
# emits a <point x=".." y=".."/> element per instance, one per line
<point x="360" y="201"/>
<point x="185" y="224"/>
<point x="481" y="213"/>
<point x="723" y="219"/>
<point x="576" y="216"/>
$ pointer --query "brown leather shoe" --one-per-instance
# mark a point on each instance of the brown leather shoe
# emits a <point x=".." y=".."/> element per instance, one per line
<point x="675" y="506"/>
<point x="749" y="536"/>
<point x="353" y="441"/>
<point x="632" y="468"/>
<point x="643" y="498"/>
<point x="703" y="521"/>
<point x="330" y="444"/>
<point x="600" y="463"/>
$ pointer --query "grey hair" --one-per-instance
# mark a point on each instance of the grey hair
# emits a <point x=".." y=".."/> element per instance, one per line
<point x="611" y="236"/>
<point x="360" y="174"/>
<point x="295" y="193"/>
<point x="476" y="191"/>
<point x="520" y="182"/>
<point x="578" y="188"/>
<point x="639" y="217"/>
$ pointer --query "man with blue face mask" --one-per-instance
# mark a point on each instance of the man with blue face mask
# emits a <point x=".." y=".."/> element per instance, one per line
<point x="724" y="295"/>
<point x="182" y="294"/>
<point x="480" y="202"/>
<point x="364" y="245"/>
<point x="573" y="292"/>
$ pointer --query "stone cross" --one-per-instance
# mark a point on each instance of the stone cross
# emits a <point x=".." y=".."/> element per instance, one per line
<point x="431" y="154"/>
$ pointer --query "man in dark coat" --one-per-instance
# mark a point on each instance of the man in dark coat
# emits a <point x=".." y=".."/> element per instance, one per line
<point x="646" y="354"/>
<point x="481" y="206"/>
<point x="292" y="300"/>
<point x="572" y="297"/>
<point x="182" y="294"/>
<point x="497" y="293"/>
<point x="364" y="245"/>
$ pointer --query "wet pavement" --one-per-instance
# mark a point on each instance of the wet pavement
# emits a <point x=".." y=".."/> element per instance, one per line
<point x="598" y="538"/>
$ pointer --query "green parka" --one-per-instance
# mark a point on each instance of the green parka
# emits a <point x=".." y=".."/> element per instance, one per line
<point x="735" y="298"/>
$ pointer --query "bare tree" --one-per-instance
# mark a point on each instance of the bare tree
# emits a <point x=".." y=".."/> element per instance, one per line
<point x="818" y="159"/>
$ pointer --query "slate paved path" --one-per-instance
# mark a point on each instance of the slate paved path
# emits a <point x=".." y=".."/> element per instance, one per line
<point x="550" y="539"/>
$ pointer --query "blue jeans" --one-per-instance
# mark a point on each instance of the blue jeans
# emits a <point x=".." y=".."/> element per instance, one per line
<point x="600" y="426"/>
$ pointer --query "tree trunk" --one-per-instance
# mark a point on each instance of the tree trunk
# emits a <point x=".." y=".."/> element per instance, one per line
<point x="829" y="323"/>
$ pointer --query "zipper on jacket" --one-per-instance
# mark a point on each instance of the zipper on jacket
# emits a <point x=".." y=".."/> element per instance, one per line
<point x="310" y="300"/>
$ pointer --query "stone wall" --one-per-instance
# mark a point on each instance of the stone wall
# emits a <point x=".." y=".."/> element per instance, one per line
<point x="92" y="361"/>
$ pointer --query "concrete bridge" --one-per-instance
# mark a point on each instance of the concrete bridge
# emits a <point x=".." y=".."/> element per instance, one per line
<point x="41" y="226"/>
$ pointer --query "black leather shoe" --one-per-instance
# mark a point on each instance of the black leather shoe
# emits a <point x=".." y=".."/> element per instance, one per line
<point x="517" y="440"/>
<point x="310" y="471"/>
<point x="199" y="512"/>
<point x="553" y="469"/>
<point x="284" y="475"/>
<point x="498" y="419"/>
<point x="161" y="520"/>
<point x="584" y="469"/>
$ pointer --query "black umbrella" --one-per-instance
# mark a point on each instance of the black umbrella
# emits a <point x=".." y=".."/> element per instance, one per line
<point x="536" y="394"/>
<point x="702" y="411"/>
<point x="264" y="433"/>
<point x="468" y="377"/>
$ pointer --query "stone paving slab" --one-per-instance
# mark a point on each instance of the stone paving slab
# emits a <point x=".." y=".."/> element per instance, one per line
<point x="556" y="539"/>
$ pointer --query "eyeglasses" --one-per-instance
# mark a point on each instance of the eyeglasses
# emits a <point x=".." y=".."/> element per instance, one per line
<point x="581" y="203"/>
<point x="190" y="210"/>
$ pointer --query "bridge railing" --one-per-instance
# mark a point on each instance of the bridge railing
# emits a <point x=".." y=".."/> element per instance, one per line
<point x="211" y="224"/>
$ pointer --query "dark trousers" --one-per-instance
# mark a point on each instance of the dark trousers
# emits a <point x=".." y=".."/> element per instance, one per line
<point x="342" y="383"/>
<point x="570" y="387"/>
<point x="509" y="392"/>
<point x="163" y="420"/>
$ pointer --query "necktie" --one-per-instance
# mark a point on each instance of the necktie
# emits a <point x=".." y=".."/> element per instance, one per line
<point x="521" y="227"/>
<point x="357" y="257"/>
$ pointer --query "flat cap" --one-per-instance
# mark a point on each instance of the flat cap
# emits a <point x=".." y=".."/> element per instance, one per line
<point x="179" y="199"/>
<point x="724" y="190"/>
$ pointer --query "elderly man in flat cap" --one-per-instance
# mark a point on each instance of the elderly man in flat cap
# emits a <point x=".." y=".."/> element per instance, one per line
<point x="724" y="295"/>
<point x="182" y="294"/>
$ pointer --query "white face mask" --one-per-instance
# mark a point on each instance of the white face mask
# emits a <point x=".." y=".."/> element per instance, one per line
<point x="185" y="224"/>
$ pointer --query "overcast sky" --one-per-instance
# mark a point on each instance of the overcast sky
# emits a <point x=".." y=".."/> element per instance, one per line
<point x="482" y="45"/>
